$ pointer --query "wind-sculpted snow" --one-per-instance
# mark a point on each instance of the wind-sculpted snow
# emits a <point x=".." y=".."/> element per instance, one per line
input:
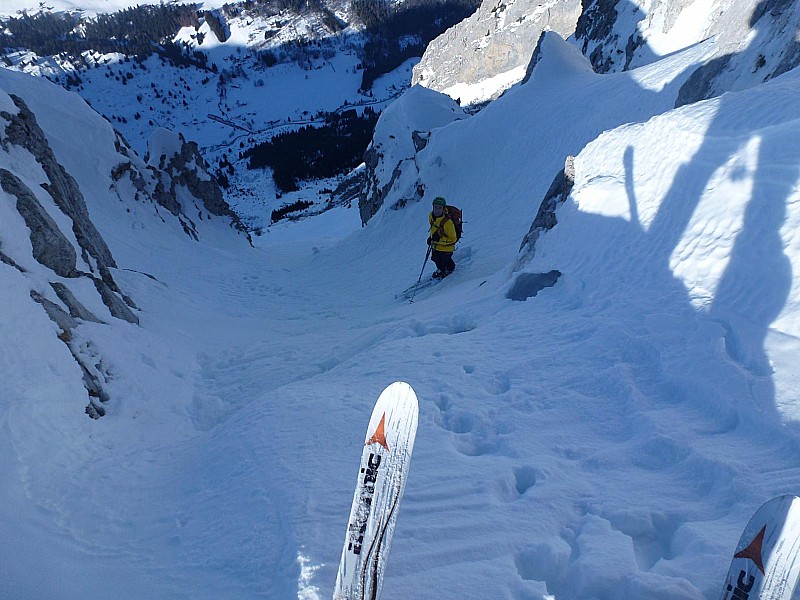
<point x="402" y="132"/>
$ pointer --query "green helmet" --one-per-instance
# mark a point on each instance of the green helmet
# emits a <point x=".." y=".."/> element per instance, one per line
<point x="439" y="201"/>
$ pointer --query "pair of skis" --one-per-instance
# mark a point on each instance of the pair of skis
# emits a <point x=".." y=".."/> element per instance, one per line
<point x="765" y="565"/>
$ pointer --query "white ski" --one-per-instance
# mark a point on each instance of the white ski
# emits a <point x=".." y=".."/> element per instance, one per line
<point x="766" y="564"/>
<point x="379" y="488"/>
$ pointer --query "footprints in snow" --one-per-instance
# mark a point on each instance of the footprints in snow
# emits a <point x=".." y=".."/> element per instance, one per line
<point x="613" y="553"/>
<point x="478" y="435"/>
<point x="473" y="434"/>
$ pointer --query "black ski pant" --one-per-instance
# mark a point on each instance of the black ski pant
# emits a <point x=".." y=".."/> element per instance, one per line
<point x="444" y="261"/>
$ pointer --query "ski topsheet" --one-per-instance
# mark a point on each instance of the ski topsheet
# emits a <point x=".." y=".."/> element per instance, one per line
<point x="379" y="488"/>
<point x="766" y="564"/>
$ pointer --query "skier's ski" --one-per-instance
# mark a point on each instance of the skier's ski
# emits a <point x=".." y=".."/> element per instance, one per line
<point x="462" y="258"/>
<point x="379" y="488"/>
<point x="766" y="564"/>
<point x="410" y="292"/>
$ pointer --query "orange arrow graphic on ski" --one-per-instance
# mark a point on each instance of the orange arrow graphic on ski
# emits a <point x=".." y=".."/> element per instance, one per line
<point x="379" y="437"/>
<point x="754" y="550"/>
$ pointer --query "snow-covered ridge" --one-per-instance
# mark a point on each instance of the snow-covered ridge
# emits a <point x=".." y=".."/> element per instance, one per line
<point x="487" y="53"/>
<point x="247" y="73"/>
<point x="63" y="171"/>
<point x="756" y="39"/>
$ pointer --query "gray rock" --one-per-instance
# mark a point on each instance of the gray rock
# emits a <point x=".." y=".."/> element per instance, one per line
<point x="188" y="168"/>
<point x="374" y="193"/>
<point x="76" y="309"/>
<point x="57" y="314"/>
<point x="4" y="258"/>
<point x="50" y="247"/>
<point x="754" y="41"/>
<point x="91" y="381"/>
<point x="597" y="24"/>
<point x="546" y="216"/>
<point x="500" y="36"/>
<point x="115" y="304"/>
<point x="24" y="131"/>
<point x="420" y="139"/>
<point x="348" y="190"/>
<point x="165" y="194"/>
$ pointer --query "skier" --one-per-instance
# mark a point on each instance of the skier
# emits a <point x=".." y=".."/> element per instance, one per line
<point x="442" y="238"/>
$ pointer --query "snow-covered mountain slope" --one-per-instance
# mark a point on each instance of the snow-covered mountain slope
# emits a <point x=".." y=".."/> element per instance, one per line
<point x="78" y="202"/>
<point x="756" y="39"/>
<point x="401" y="133"/>
<point x="488" y="52"/>
<point x="606" y="438"/>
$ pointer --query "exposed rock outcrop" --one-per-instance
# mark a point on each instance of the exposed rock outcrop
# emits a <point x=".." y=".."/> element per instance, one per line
<point x="754" y="40"/>
<point x="50" y="246"/>
<point x="23" y="130"/>
<point x="66" y="248"/>
<point x="495" y="43"/>
<point x="176" y="163"/>
<point x="546" y="216"/>
<point x="76" y="309"/>
<point x="402" y="132"/>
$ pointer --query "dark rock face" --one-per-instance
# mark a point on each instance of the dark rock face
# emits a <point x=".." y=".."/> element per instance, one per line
<point x="76" y="309"/>
<point x="754" y="41"/>
<point x="24" y="131"/>
<point x="57" y="251"/>
<point x="187" y="168"/>
<point x="62" y="256"/>
<point x="50" y="246"/>
<point x="374" y="193"/>
<point x="596" y="21"/>
<point x="546" y="217"/>
<point x="498" y="38"/>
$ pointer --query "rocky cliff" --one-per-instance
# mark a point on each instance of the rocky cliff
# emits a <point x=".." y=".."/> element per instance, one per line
<point x="756" y="40"/>
<point x="61" y="168"/>
<point x="486" y="53"/>
<point x="402" y="132"/>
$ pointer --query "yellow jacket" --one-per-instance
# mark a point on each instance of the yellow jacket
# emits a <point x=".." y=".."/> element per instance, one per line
<point x="446" y="231"/>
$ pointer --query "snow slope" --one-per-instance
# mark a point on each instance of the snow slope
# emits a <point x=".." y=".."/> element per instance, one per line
<point x="605" y="439"/>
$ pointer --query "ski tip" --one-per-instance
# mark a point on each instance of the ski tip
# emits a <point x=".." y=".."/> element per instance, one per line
<point x="399" y="385"/>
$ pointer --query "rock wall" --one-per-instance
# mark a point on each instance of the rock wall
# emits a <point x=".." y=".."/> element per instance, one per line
<point x="47" y="234"/>
<point x="499" y="38"/>
<point x="755" y="40"/>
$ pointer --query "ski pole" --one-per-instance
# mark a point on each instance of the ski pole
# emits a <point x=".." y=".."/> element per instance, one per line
<point x="427" y="255"/>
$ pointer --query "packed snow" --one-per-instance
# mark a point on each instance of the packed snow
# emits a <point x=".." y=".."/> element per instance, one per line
<point x="607" y="438"/>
